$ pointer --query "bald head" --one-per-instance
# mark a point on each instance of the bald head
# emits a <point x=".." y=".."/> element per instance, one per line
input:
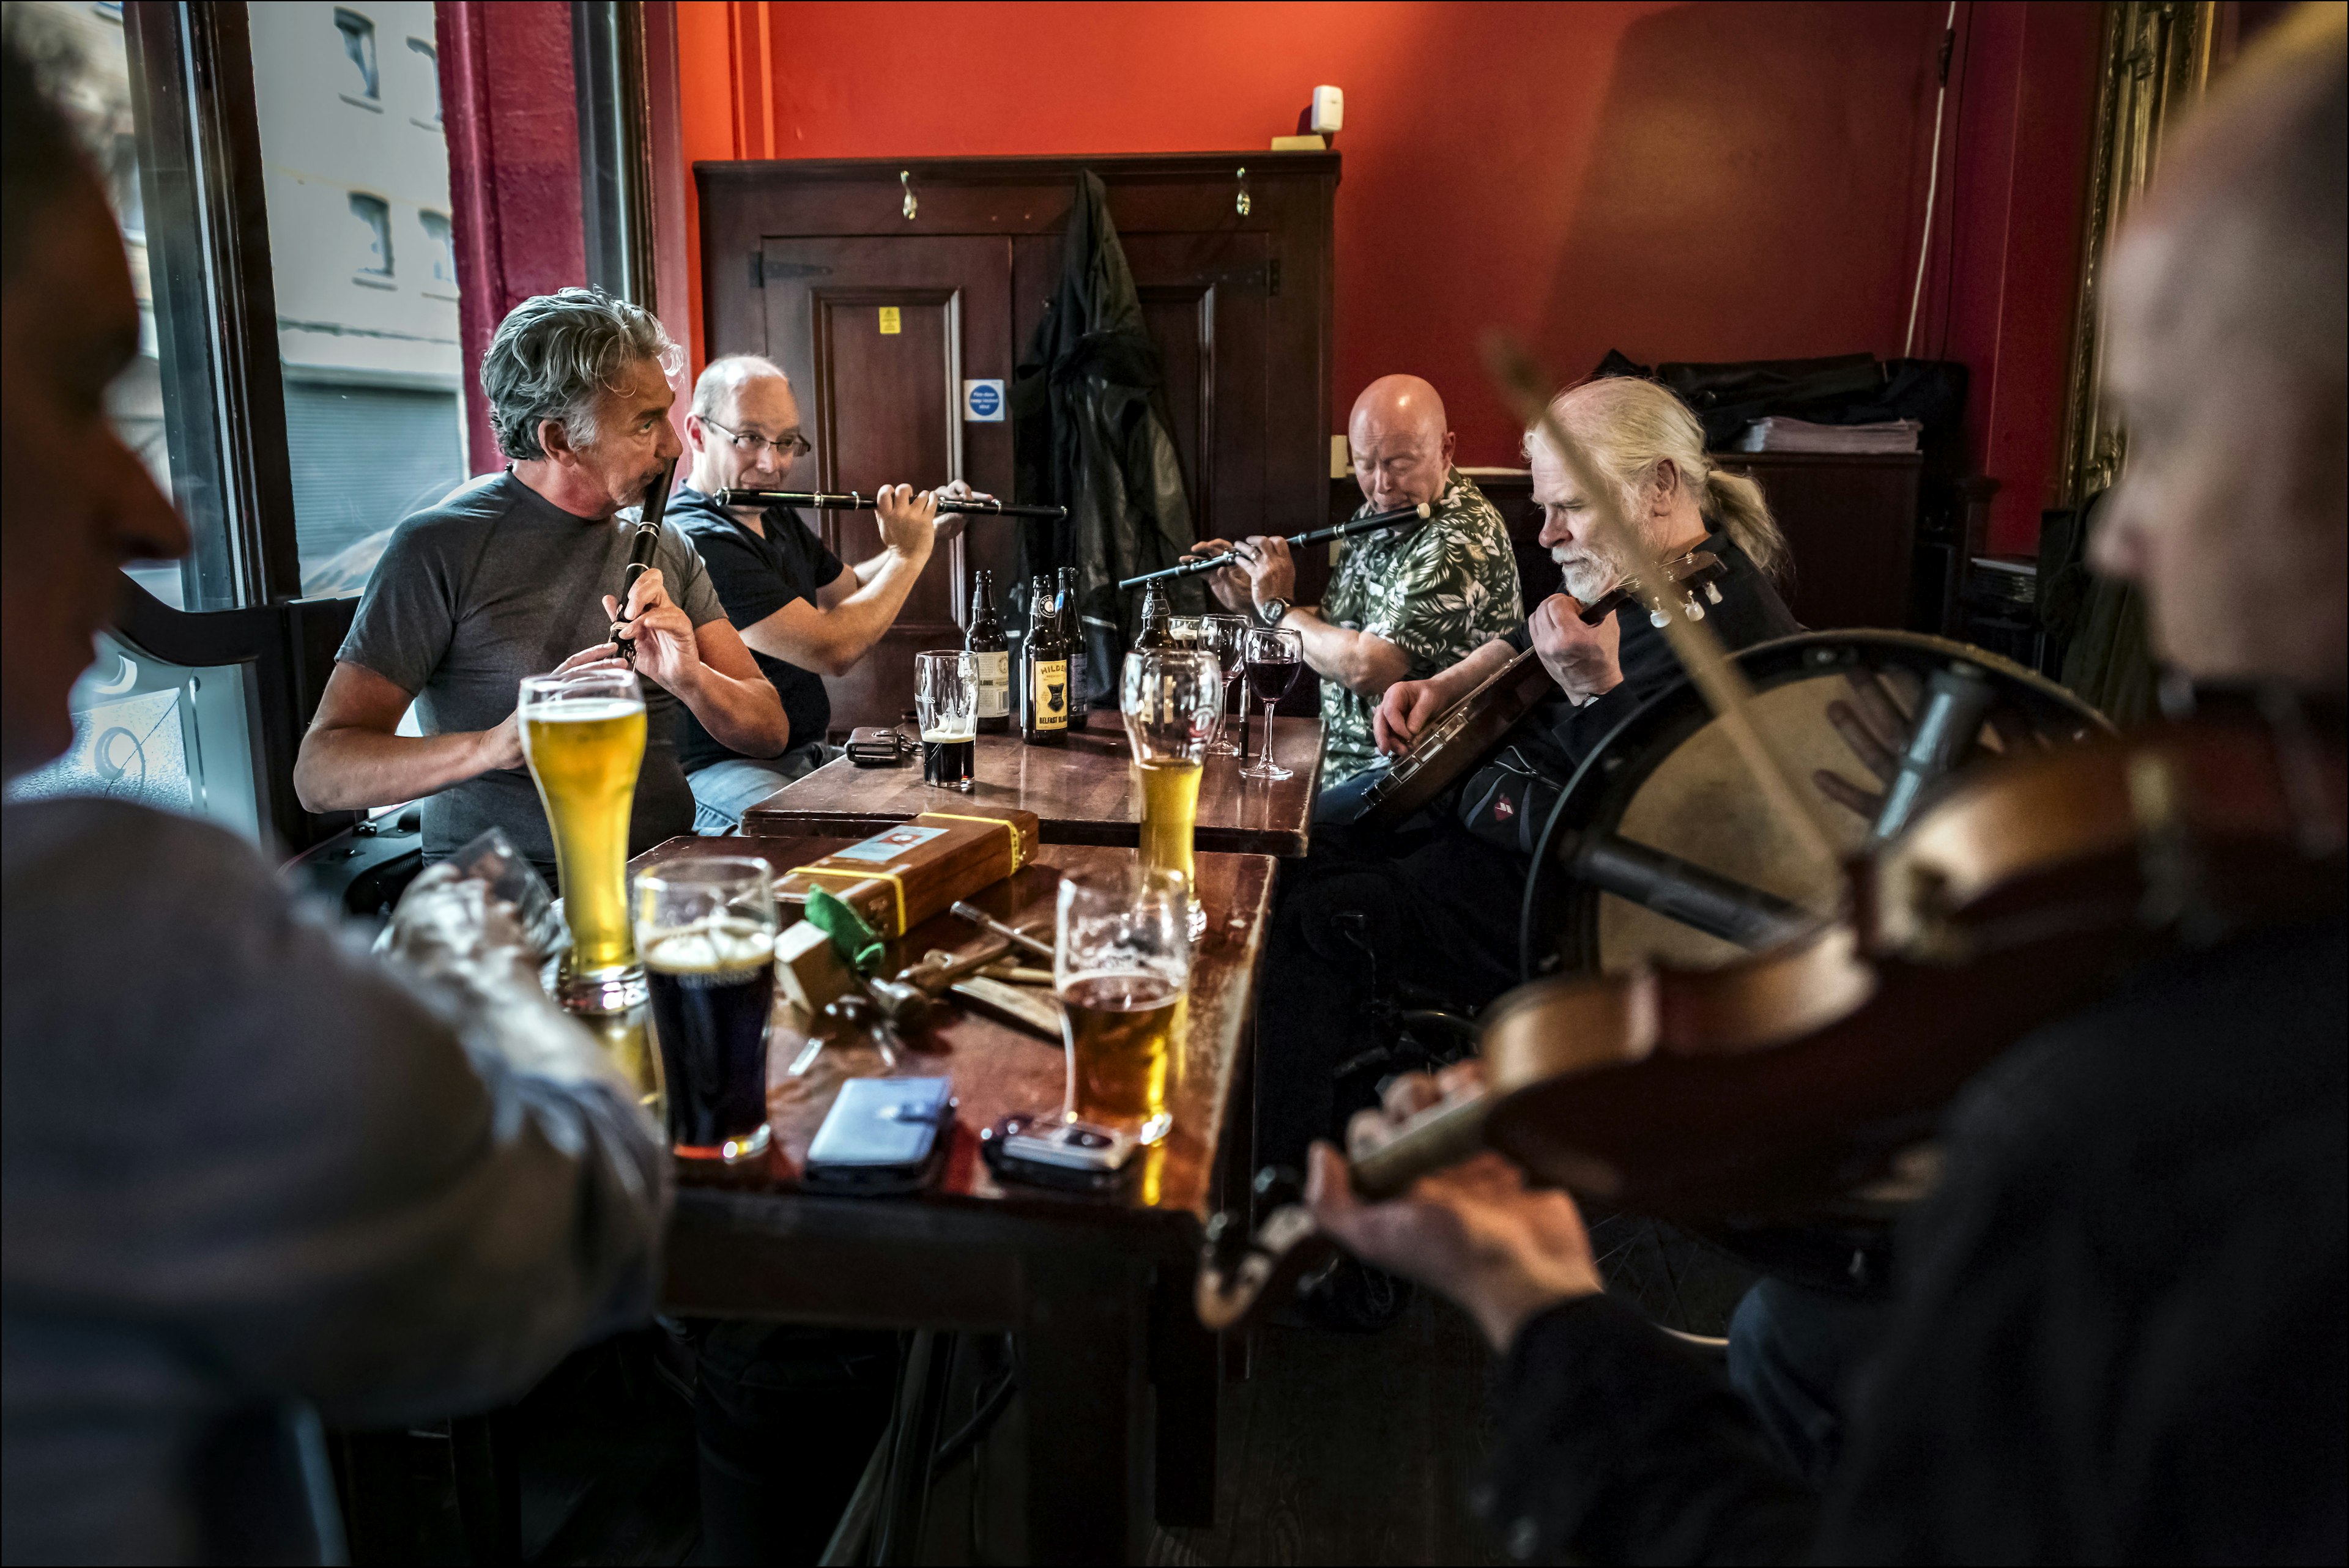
<point x="2227" y="358"/>
<point x="1402" y="443"/>
<point x="745" y="426"/>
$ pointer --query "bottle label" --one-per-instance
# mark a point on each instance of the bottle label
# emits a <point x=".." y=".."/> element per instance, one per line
<point x="1049" y="709"/>
<point x="994" y="671"/>
<point x="1077" y="674"/>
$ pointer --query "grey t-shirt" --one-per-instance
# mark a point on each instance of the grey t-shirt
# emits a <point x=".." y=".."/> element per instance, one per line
<point x="495" y="583"/>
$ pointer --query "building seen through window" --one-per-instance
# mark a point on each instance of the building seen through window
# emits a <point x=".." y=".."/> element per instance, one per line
<point x="365" y="266"/>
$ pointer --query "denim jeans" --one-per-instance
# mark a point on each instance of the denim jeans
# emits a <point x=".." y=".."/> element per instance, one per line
<point x="724" y="791"/>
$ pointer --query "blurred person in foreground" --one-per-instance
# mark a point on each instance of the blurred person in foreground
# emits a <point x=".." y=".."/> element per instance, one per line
<point x="2121" y="1330"/>
<point x="252" y="1178"/>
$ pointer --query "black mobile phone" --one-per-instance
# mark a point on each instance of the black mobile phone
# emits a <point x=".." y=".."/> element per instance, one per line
<point x="881" y="1136"/>
<point x="1048" y="1151"/>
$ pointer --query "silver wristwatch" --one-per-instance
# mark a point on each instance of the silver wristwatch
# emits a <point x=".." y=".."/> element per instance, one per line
<point x="1272" y="611"/>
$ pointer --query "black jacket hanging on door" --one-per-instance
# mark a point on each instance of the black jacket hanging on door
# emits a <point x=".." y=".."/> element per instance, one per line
<point x="1091" y="434"/>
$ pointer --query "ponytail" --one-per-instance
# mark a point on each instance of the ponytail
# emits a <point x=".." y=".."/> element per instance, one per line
<point x="1735" y="504"/>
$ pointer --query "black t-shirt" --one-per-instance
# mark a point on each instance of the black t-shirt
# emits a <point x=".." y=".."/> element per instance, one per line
<point x="756" y="575"/>
<point x="1507" y="799"/>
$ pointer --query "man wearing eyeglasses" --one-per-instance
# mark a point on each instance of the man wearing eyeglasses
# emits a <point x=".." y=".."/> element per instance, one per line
<point x="804" y="614"/>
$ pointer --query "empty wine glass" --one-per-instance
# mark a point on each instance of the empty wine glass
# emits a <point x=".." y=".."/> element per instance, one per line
<point x="1273" y="657"/>
<point x="1224" y="636"/>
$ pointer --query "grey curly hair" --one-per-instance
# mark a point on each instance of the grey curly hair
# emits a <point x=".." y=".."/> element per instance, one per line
<point x="551" y="357"/>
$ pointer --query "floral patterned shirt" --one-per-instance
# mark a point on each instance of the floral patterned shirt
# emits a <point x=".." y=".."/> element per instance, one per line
<point x="1438" y="592"/>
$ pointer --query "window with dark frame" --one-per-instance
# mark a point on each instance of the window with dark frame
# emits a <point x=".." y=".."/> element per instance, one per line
<point x="359" y="46"/>
<point x="443" y="245"/>
<point x="431" y="75"/>
<point x="374" y="214"/>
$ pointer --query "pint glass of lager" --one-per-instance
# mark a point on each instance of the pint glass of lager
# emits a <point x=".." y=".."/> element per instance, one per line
<point x="1120" y="962"/>
<point x="583" y="736"/>
<point x="707" y="930"/>
<point x="1170" y="699"/>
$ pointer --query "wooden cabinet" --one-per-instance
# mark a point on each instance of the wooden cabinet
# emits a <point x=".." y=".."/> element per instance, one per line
<point x="881" y="287"/>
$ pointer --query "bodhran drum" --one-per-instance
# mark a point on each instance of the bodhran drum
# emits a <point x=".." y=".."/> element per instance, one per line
<point x="1704" y="870"/>
<point x="1701" y="866"/>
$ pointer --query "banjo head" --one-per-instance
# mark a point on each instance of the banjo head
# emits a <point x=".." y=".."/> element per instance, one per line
<point x="1669" y="779"/>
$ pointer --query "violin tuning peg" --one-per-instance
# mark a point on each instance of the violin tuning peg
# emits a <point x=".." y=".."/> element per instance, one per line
<point x="1713" y="593"/>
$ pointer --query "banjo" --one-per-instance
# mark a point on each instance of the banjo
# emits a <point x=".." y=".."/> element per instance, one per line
<point x="1474" y="724"/>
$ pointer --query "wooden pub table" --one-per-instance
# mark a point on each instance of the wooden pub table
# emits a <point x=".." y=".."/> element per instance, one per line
<point x="1083" y="793"/>
<point x="1098" y="1287"/>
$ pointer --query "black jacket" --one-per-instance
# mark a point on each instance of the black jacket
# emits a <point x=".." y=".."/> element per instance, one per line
<point x="1091" y="433"/>
<point x="2120" y="1331"/>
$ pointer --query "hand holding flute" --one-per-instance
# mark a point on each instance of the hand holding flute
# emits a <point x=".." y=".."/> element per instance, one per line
<point x="1259" y="568"/>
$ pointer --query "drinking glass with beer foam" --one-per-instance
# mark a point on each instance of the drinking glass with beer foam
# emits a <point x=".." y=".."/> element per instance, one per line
<point x="946" y="698"/>
<point x="582" y="735"/>
<point x="1120" y="962"/>
<point x="1171" y="698"/>
<point x="707" y="931"/>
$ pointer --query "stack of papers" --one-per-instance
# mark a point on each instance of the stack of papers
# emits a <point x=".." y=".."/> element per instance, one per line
<point x="1777" y="433"/>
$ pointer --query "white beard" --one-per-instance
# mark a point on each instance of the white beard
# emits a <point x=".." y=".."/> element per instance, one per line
<point x="1587" y="577"/>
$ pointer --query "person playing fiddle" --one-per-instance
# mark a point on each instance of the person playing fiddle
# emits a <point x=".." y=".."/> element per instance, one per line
<point x="2121" y="1323"/>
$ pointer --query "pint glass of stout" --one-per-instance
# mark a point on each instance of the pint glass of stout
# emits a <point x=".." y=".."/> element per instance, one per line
<point x="707" y="930"/>
<point x="583" y="736"/>
<point x="1121" y="963"/>
<point x="946" y="696"/>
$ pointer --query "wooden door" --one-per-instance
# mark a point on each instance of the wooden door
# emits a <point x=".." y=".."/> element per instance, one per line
<point x="879" y="335"/>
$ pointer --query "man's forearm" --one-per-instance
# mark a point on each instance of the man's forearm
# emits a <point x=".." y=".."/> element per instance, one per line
<point x="1363" y="664"/>
<point x="856" y="622"/>
<point x="352" y="769"/>
<point x="1479" y="666"/>
<point x="745" y="716"/>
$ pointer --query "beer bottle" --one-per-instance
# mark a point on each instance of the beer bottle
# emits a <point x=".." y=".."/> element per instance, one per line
<point x="1073" y="634"/>
<point x="1157" y="631"/>
<point x="1044" y="672"/>
<point x="991" y="656"/>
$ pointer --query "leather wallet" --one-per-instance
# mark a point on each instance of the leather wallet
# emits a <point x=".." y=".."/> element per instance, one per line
<point x="870" y="745"/>
<point x="881" y="1136"/>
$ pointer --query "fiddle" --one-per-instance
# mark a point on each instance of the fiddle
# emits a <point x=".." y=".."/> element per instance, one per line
<point x="1805" y="1081"/>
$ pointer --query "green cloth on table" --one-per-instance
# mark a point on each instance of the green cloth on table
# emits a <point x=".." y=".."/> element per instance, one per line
<point x="858" y="945"/>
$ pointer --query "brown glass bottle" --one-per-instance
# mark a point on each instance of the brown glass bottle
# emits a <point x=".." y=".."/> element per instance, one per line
<point x="990" y="657"/>
<point x="1156" y="630"/>
<point x="1072" y="637"/>
<point x="1044" y="670"/>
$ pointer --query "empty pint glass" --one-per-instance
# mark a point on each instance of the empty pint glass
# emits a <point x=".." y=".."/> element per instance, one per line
<point x="1120" y="962"/>
<point x="1170" y="699"/>
<point x="707" y="930"/>
<point x="583" y="736"/>
<point x="945" y="699"/>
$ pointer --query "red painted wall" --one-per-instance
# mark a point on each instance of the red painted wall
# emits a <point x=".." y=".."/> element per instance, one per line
<point x="1680" y="181"/>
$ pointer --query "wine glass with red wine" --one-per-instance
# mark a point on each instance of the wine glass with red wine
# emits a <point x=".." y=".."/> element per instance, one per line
<point x="1274" y="658"/>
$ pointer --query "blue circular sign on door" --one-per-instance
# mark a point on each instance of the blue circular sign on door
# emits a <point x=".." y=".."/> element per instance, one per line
<point x="986" y="399"/>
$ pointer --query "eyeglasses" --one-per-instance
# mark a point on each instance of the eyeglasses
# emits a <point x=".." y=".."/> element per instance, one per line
<point x="791" y="446"/>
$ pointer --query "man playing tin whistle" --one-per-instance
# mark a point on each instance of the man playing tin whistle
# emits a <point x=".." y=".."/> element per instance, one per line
<point x="1405" y="602"/>
<point x="518" y="574"/>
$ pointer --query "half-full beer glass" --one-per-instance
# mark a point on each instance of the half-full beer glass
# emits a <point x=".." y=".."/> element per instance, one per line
<point x="1120" y="962"/>
<point x="583" y="736"/>
<point x="707" y="930"/>
<point x="1170" y="699"/>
